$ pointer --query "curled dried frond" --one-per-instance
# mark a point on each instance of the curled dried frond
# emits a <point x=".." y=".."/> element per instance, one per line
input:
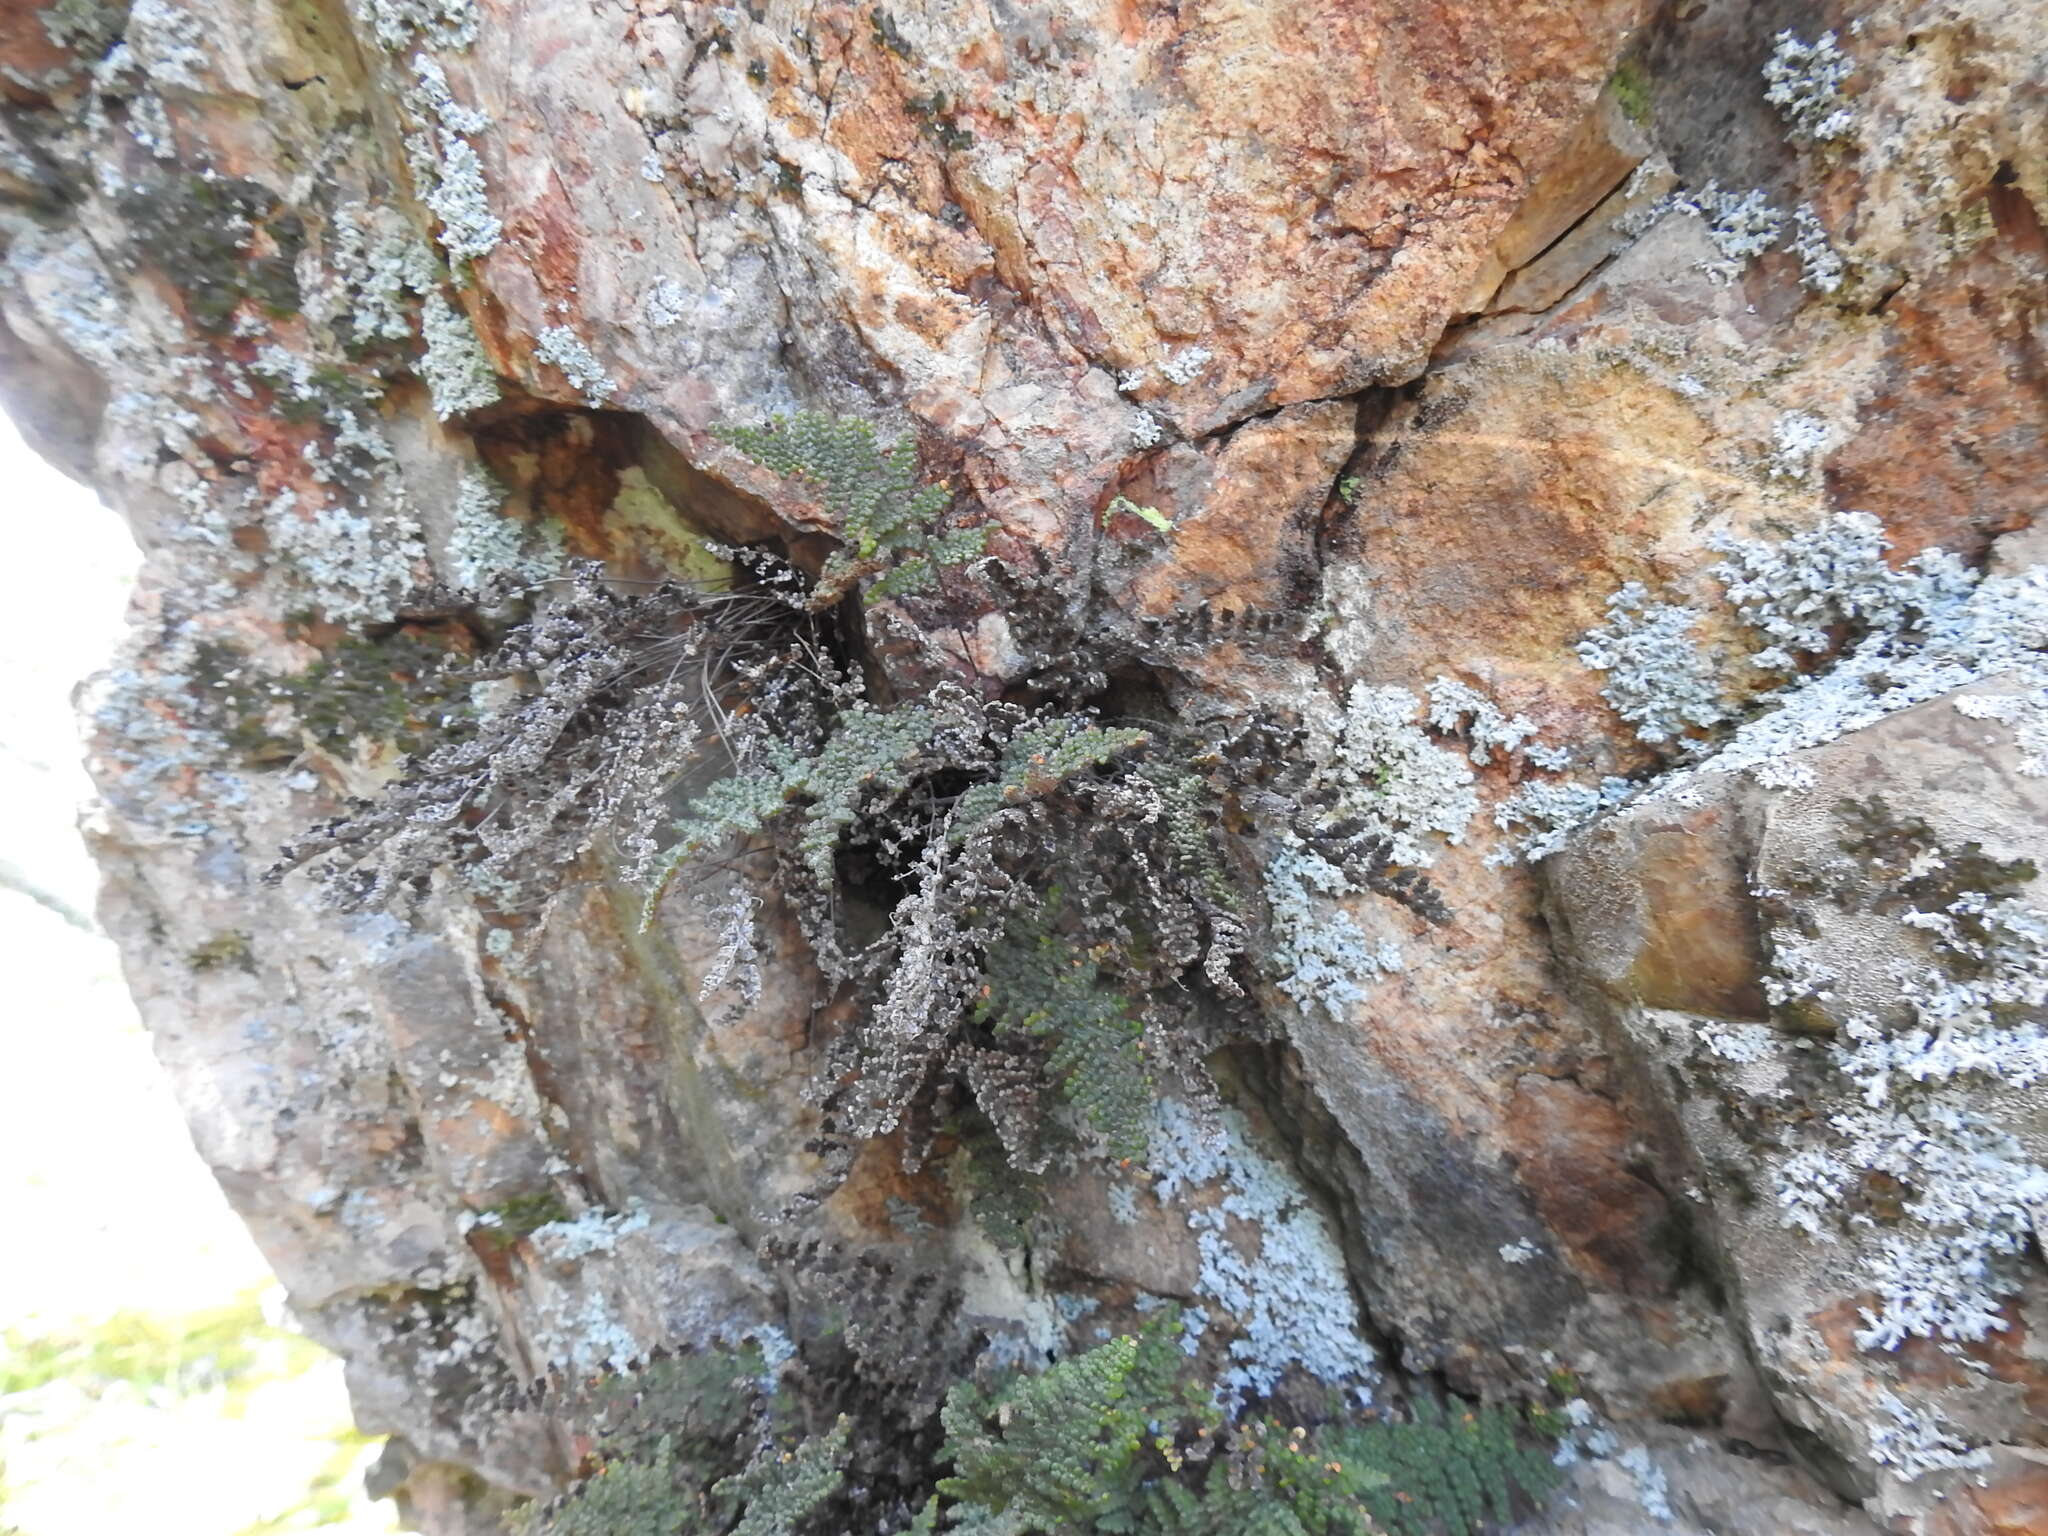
<point x="611" y="696"/>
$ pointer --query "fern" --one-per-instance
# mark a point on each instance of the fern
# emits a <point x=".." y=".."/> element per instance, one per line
<point x="884" y="517"/>
<point x="1039" y="759"/>
<point x="1446" y="1475"/>
<point x="638" y="1495"/>
<point x="1121" y="1442"/>
<point x="1124" y="1440"/>
<point x="870" y="757"/>
<point x="669" y="1434"/>
<point x="1006" y="1202"/>
<point x="968" y="817"/>
<point x="1062" y="1450"/>
<point x="1037" y="988"/>
<point x="778" y="1492"/>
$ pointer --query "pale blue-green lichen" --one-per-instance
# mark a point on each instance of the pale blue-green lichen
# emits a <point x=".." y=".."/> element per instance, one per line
<point x="561" y="346"/>
<point x="398" y="24"/>
<point x="458" y="375"/>
<point x="456" y="192"/>
<point x="485" y="546"/>
<point x="1805" y="82"/>
<point x="1378" y="765"/>
<point x="1322" y="956"/>
<point x="431" y="95"/>
<point x="1913" y="633"/>
<point x="1459" y="709"/>
<point x="168" y="44"/>
<point x="1269" y="1261"/>
<point x="1821" y="267"/>
<point x="377" y="265"/>
<point x="356" y="562"/>
<point x="1741" y="226"/>
<point x="1659" y="677"/>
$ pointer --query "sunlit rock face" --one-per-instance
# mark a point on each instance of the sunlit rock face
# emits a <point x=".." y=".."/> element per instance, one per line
<point x="1409" y="337"/>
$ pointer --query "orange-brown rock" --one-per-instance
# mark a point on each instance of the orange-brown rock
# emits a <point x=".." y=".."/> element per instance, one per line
<point x="1425" y="326"/>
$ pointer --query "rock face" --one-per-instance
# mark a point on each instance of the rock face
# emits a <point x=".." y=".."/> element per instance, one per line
<point x="1409" y="336"/>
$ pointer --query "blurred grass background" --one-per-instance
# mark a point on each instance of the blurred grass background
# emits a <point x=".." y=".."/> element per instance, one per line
<point x="149" y="1381"/>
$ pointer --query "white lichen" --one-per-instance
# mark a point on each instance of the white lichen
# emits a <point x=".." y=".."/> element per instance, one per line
<point x="1742" y="1044"/>
<point x="375" y="263"/>
<point x="1905" y="636"/>
<point x="1379" y="766"/>
<point x="1546" y="812"/>
<point x="1185" y="366"/>
<point x="1924" y="1082"/>
<point x="1269" y="1261"/>
<point x="561" y="346"/>
<point x="1123" y="1208"/>
<point x="1915" y="1442"/>
<point x="458" y="375"/>
<point x="1659" y="678"/>
<point x="1797" y="974"/>
<point x="1804" y="82"/>
<point x="168" y="44"/>
<point x="596" y="1231"/>
<point x="149" y="124"/>
<point x="1653" y="1489"/>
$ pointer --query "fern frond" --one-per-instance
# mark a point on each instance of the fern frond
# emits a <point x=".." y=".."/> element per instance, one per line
<point x="778" y="1492"/>
<point x="883" y="516"/>
<point x="1037" y="987"/>
<point x="1041" y="758"/>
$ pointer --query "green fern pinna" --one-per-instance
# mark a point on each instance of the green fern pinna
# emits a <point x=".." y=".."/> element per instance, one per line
<point x="1124" y="1440"/>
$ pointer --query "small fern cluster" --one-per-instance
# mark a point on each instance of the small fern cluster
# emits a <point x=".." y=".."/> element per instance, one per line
<point x="886" y="521"/>
<point x="666" y="1453"/>
<point x="1125" y="1439"/>
<point x="1036" y="869"/>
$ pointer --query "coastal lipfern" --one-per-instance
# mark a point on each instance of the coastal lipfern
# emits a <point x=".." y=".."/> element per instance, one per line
<point x="886" y="521"/>
<point x="1126" y="1440"/>
<point x="1038" y="988"/>
<point x="669" y="1454"/>
<point x="1066" y="1449"/>
<point x="779" y="1490"/>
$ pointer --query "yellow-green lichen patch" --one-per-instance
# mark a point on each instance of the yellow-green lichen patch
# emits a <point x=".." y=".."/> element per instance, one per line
<point x="657" y="532"/>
